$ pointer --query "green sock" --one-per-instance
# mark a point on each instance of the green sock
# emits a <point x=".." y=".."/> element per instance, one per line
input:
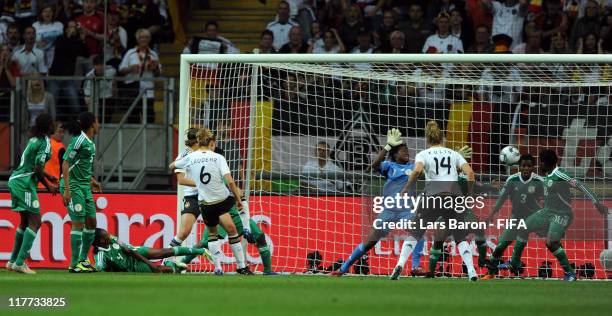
<point x="17" y="244"/>
<point x="28" y="239"/>
<point x="517" y="252"/>
<point x="562" y="257"/>
<point x="434" y="256"/>
<point x="482" y="253"/>
<point x="76" y="238"/>
<point x="88" y="237"/>
<point x="181" y="251"/>
<point x="202" y="244"/>
<point x="266" y="258"/>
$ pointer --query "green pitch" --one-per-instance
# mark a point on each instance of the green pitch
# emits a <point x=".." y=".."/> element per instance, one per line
<point x="109" y="294"/>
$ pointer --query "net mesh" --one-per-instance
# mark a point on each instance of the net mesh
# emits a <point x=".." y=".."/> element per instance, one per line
<point x="305" y="134"/>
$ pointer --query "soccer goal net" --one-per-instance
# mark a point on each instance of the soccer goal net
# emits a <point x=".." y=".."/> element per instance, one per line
<point x="300" y="133"/>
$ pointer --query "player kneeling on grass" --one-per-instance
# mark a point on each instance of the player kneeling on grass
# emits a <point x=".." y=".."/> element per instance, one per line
<point x="112" y="256"/>
<point x="557" y="214"/>
<point x="210" y="172"/>
<point x="525" y="190"/>
<point x="22" y="186"/>
<point x="396" y="171"/>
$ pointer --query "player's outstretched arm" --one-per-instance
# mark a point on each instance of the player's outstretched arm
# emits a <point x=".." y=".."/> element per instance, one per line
<point x="601" y="208"/>
<point x="394" y="138"/>
<point x="418" y="169"/>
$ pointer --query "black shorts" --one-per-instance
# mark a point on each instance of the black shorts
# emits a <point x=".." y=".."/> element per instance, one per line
<point x="190" y="205"/>
<point x="211" y="212"/>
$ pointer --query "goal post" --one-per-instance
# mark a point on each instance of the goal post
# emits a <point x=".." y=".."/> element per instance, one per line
<point x="302" y="130"/>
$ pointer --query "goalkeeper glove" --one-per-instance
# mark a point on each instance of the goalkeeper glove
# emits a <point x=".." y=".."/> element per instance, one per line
<point x="394" y="138"/>
<point x="465" y="152"/>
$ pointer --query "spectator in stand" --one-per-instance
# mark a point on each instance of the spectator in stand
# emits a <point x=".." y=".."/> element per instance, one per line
<point x="332" y="44"/>
<point x="318" y="166"/>
<point x="92" y="25"/>
<point x="296" y="43"/>
<point x="590" y="23"/>
<point x="384" y="29"/>
<point x="458" y="28"/>
<point x="316" y="35"/>
<point x="67" y="48"/>
<point x="4" y="23"/>
<point x="482" y="43"/>
<point x="550" y="21"/>
<point x="416" y="30"/>
<point x="442" y="6"/>
<point x="265" y="43"/>
<point x="443" y="41"/>
<point x="606" y="33"/>
<point x="350" y="27"/>
<point x="30" y="59"/>
<point x="104" y="88"/>
<point x="140" y="62"/>
<point x="212" y="32"/>
<point x="508" y="18"/>
<point x="68" y="10"/>
<point x="282" y="26"/>
<point x="143" y="14"/>
<point x="590" y="44"/>
<point x="398" y="44"/>
<point x="478" y="15"/>
<point x="371" y="8"/>
<point x="533" y="44"/>
<point x="39" y="101"/>
<point x="13" y="36"/>
<point x="365" y="45"/>
<point x="560" y="45"/>
<point x="116" y="39"/>
<point x="306" y="15"/>
<point x="7" y="81"/>
<point x="25" y="12"/>
<point x="47" y="31"/>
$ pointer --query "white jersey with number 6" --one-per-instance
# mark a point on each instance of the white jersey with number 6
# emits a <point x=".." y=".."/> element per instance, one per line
<point x="441" y="164"/>
<point x="207" y="169"/>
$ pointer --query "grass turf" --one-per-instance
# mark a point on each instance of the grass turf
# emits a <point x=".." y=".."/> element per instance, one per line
<point x="111" y="294"/>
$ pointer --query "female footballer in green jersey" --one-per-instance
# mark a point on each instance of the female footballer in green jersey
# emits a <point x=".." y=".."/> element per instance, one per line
<point x="76" y="187"/>
<point x="22" y="186"/>
<point x="112" y="256"/>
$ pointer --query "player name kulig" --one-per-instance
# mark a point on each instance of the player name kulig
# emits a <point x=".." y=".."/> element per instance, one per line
<point x="405" y="224"/>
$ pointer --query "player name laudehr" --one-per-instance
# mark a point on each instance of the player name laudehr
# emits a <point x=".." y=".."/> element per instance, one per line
<point x="451" y="224"/>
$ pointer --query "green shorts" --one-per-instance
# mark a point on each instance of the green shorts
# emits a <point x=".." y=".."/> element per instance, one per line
<point x="81" y="204"/>
<point x="256" y="232"/>
<point x="549" y="223"/>
<point x="23" y="196"/>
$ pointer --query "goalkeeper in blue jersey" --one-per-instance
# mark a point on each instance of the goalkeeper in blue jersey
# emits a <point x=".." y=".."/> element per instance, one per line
<point x="396" y="170"/>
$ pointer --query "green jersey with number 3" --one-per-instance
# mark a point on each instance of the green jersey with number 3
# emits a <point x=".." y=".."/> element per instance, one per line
<point x="80" y="155"/>
<point x="558" y="195"/>
<point x="523" y="194"/>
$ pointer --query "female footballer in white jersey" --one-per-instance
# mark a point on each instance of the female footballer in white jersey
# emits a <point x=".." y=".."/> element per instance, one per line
<point x="441" y="166"/>
<point x="211" y="173"/>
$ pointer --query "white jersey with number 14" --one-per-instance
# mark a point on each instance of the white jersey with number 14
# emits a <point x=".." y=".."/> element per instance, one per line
<point x="207" y="169"/>
<point x="440" y="164"/>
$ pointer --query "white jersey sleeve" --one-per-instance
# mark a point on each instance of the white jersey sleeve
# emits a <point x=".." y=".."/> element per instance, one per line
<point x="223" y="166"/>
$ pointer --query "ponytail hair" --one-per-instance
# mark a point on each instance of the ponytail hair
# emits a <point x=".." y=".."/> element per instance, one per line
<point x="433" y="134"/>
<point x="205" y="136"/>
<point x="84" y="122"/>
<point x="191" y="137"/>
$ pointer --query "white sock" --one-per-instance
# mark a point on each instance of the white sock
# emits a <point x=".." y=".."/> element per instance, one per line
<point x="407" y="248"/>
<point x="466" y="255"/>
<point x="238" y="253"/>
<point x="245" y="246"/>
<point x="215" y="249"/>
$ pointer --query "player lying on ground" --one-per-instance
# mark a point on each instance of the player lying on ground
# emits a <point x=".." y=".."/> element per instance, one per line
<point x="396" y="170"/>
<point x="77" y="185"/>
<point x="22" y="186"/>
<point x="212" y="172"/>
<point x="441" y="166"/>
<point x="525" y="189"/>
<point x="557" y="214"/>
<point x="112" y="256"/>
